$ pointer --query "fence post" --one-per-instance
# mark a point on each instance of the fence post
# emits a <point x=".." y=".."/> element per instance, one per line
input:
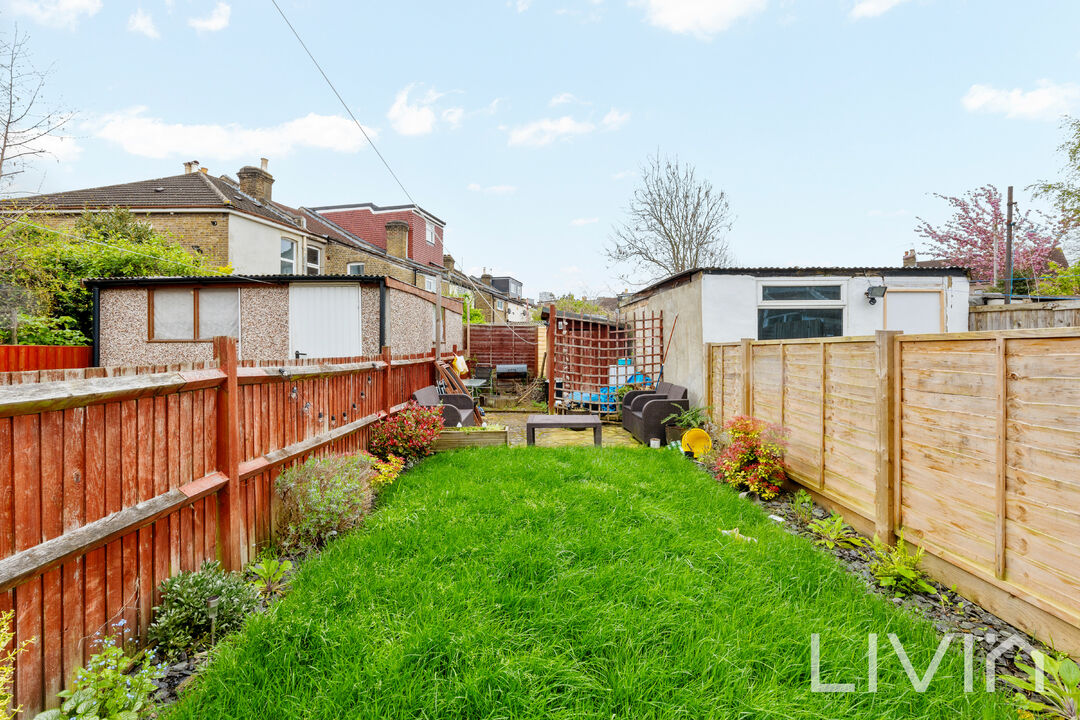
<point x="388" y="358"/>
<point x="747" y="364"/>
<point x="885" y="365"/>
<point x="552" y="320"/>
<point x="230" y="531"/>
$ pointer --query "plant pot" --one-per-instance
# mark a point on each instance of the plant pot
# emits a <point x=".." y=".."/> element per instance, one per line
<point x="673" y="433"/>
<point x="452" y="438"/>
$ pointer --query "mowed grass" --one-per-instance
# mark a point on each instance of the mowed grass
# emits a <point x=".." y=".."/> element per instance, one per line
<point x="572" y="583"/>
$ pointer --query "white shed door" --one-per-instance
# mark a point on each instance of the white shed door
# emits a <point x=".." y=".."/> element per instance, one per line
<point x="914" y="311"/>
<point x="324" y="320"/>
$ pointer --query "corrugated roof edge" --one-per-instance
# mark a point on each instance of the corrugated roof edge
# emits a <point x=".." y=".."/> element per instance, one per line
<point x="804" y="271"/>
<point x="226" y="280"/>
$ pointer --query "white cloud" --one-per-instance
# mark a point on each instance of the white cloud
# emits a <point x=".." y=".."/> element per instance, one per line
<point x="453" y="116"/>
<point x="151" y="137"/>
<point x="702" y="18"/>
<point x="522" y="5"/>
<point x="615" y="119"/>
<point x="562" y="99"/>
<point x="218" y="19"/>
<point x="418" y="115"/>
<point x="570" y="270"/>
<point x="1048" y="101"/>
<point x="623" y="175"/>
<point x="141" y="22"/>
<point x="548" y="130"/>
<point x="56" y="13"/>
<point x="578" y="222"/>
<point x="873" y="8"/>
<point x="61" y="147"/>
<point x="493" y="189"/>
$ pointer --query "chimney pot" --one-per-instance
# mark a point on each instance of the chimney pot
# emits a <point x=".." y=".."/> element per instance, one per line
<point x="909" y="258"/>
<point x="263" y="163"/>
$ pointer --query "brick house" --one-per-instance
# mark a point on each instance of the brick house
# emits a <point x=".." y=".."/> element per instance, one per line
<point x="402" y="231"/>
<point x="237" y="222"/>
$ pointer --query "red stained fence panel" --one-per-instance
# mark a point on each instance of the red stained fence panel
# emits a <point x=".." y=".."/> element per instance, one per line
<point x="21" y="358"/>
<point x="117" y="480"/>
<point x="505" y="345"/>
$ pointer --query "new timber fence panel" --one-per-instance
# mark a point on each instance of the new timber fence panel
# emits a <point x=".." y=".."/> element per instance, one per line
<point x="23" y="358"/>
<point x="968" y="443"/>
<point x="506" y="345"/>
<point x="112" y="481"/>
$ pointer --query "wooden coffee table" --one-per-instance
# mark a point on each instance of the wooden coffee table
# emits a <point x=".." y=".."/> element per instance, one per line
<point x="566" y="422"/>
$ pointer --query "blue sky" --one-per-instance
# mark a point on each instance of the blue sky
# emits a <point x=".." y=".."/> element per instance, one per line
<point x="522" y="123"/>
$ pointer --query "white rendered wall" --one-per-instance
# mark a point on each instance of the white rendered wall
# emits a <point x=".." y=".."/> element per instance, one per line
<point x="255" y="248"/>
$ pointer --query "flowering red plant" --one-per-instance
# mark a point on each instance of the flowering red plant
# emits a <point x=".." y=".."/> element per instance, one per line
<point x="754" y="459"/>
<point x="409" y="434"/>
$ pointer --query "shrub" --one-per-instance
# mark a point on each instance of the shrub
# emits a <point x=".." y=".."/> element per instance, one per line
<point x="271" y="577"/>
<point x="182" y="621"/>
<point x="409" y="434"/>
<point x="754" y="457"/>
<point x="803" y="505"/>
<point x="35" y="330"/>
<point x="832" y="532"/>
<point x="323" y="498"/>
<point x="896" y="569"/>
<point x="695" y="417"/>
<point x="106" y="689"/>
<point x="7" y="666"/>
<point x="386" y="471"/>
<point x="1059" y="696"/>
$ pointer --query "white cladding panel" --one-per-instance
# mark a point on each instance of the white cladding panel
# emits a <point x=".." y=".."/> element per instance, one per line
<point x="324" y="320"/>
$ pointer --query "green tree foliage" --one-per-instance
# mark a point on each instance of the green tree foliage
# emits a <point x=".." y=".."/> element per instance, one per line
<point x="111" y="244"/>
<point x="1065" y="193"/>
<point x="35" y="330"/>
<point x="1065" y="281"/>
<point x="569" y="303"/>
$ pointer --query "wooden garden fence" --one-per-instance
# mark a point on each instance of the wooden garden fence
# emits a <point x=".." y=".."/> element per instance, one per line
<point x="968" y="443"/>
<point x="109" y="485"/>
<point x="18" y="358"/>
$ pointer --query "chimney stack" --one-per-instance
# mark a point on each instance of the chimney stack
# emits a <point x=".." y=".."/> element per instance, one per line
<point x="486" y="277"/>
<point x="448" y="262"/>
<point x="909" y="258"/>
<point x="256" y="181"/>
<point x="191" y="166"/>
<point x="397" y="238"/>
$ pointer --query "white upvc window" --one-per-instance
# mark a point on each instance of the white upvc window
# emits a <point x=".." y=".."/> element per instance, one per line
<point x="431" y="284"/>
<point x="500" y="305"/>
<point x="430" y="233"/>
<point x="313" y="260"/>
<point x="288" y="256"/>
<point x="354" y="268"/>
<point x="800" y="308"/>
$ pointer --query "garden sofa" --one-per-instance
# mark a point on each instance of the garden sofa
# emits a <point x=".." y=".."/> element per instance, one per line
<point x="643" y="411"/>
<point x="457" y="409"/>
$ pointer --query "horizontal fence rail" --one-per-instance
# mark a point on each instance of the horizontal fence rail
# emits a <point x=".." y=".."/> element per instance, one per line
<point x="967" y="443"/>
<point x="111" y="482"/>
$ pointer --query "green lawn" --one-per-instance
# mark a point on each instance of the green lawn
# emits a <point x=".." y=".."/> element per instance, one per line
<point x="571" y="583"/>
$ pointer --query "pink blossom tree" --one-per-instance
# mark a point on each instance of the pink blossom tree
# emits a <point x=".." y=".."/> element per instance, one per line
<point x="974" y="237"/>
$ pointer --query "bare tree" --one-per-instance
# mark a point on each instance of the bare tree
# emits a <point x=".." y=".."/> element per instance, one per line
<point x="675" y="222"/>
<point x="27" y="128"/>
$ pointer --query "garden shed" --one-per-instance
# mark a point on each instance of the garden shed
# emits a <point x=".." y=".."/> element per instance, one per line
<point x="163" y="320"/>
<point x="717" y="305"/>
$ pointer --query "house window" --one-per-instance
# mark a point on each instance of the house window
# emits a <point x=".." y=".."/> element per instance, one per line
<point x="288" y="256"/>
<point x="431" y="284"/>
<point x="500" y="305"/>
<point x="799" y="293"/>
<point x="792" y="323"/>
<point x="314" y="260"/>
<point x="194" y="314"/>
<point x="430" y="233"/>
<point x="354" y="269"/>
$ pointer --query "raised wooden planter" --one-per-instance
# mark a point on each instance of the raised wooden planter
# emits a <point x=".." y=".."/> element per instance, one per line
<point x="450" y="439"/>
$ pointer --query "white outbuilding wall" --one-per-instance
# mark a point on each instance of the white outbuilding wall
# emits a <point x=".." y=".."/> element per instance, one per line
<point x="723" y="307"/>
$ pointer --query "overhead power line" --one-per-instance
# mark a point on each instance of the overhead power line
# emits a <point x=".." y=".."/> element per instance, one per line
<point x="343" y="103"/>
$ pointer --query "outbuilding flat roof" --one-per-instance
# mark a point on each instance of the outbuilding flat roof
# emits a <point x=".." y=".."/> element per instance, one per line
<point x="227" y="280"/>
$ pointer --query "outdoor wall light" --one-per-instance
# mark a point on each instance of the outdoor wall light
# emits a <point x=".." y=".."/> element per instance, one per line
<point x="874" y="292"/>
